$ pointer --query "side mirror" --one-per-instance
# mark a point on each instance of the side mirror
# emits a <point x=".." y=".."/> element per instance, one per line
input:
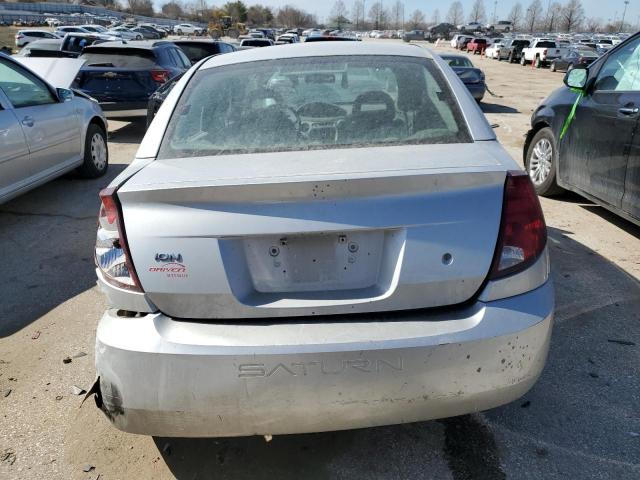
<point x="64" y="94"/>
<point x="576" y="78"/>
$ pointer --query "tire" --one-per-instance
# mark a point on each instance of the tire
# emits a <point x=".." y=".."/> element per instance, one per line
<point x="179" y="32"/>
<point x="570" y="67"/>
<point x="138" y="37"/>
<point x="538" y="62"/>
<point x="542" y="155"/>
<point x="96" y="153"/>
<point x="552" y="67"/>
<point x="511" y="58"/>
<point x="523" y="61"/>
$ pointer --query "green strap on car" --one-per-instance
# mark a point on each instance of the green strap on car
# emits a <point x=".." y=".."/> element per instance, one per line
<point x="572" y="113"/>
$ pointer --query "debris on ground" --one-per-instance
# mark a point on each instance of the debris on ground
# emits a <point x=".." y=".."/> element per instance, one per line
<point x="66" y="360"/>
<point x="59" y="397"/>
<point x="6" y="392"/>
<point x="621" y="342"/>
<point x="594" y="375"/>
<point x="79" y="355"/>
<point x="88" y="467"/>
<point x="36" y="335"/>
<point x="526" y="404"/>
<point x="8" y="456"/>
<point x="77" y="390"/>
<point x="268" y="438"/>
<point x="541" y="451"/>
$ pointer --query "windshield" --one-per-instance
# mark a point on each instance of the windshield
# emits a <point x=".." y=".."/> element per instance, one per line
<point x="546" y="44"/>
<point x="313" y="103"/>
<point x="458" y="61"/>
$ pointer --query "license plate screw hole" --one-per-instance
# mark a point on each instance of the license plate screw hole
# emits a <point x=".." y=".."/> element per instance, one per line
<point x="274" y="251"/>
<point x="447" y="259"/>
<point x="353" y="247"/>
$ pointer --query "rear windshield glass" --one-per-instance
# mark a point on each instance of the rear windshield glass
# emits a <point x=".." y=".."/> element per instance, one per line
<point x="313" y="103"/>
<point x="106" y="57"/>
<point x="458" y="61"/>
<point x="546" y="45"/>
<point x="197" y="52"/>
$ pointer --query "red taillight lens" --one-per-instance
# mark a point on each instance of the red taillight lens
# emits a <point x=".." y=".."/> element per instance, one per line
<point x="523" y="233"/>
<point x="160" y="76"/>
<point x="112" y="252"/>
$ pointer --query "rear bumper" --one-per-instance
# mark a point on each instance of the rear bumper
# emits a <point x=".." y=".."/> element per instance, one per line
<point x="477" y="90"/>
<point x="124" y="109"/>
<point x="164" y="377"/>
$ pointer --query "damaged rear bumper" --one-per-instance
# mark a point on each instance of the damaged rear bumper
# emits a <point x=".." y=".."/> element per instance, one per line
<point x="165" y="377"/>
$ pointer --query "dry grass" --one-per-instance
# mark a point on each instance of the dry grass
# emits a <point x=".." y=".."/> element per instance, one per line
<point x="8" y="37"/>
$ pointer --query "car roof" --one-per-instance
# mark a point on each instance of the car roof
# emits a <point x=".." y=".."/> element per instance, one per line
<point x="317" y="49"/>
<point x="139" y="44"/>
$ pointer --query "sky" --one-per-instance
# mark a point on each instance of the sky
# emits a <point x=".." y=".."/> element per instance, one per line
<point x="605" y="9"/>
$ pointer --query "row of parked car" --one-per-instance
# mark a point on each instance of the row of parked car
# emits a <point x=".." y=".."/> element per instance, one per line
<point x="558" y="54"/>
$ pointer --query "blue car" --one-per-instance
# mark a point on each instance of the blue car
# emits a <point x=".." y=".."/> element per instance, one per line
<point x="122" y="76"/>
<point x="472" y="77"/>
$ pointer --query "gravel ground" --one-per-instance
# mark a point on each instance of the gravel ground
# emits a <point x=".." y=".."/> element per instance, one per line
<point x="581" y="420"/>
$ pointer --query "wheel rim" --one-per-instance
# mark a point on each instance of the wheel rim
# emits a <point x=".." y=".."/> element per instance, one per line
<point x="98" y="151"/>
<point x="540" y="161"/>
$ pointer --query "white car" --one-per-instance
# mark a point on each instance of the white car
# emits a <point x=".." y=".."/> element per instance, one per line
<point x="46" y="131"/>
<point x="62" y="31"/>
<point x="493" y="51"/>
<point x="124" y="33"/>
<point x="187" y="29"/>
<point x="24" y="37"/>
<point x="288" y="253"/>
<point x="470" y="27"/>
<point x="95" y="28"/>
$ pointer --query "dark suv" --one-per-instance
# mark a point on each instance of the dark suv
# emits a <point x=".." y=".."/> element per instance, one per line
<point x="196" y="50"/>
<point x="584" y="135"/>
<point x="122" y="76"/>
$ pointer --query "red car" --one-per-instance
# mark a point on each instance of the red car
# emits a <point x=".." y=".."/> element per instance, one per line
<point x="477" y="45"/>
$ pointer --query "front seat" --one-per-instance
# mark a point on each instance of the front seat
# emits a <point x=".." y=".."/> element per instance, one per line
<point x="373" y="118"/>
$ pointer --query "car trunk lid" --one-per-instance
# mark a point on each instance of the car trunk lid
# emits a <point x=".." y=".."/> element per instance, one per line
<point x="314" y="233"/>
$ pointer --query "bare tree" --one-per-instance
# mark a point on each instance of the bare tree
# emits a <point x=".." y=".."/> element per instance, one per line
<point x="379" y="16"/>
<point x="397" y="13"/>
<point x="416" y="20"/>
<point x="435" y="18"/>
<point x="478" y="12"/>
<point x="552" y="17"/>
<point x="290" y="16"/>
<point x="515" y="16"/>
<point x="455" y="15"/>
<point x="572" y="15"/>
<point x="140" y="7"/>
<point x="357" y="14"/>
<point x="339" y="14"/>
<point x="534" y="12"/>
<point x="593" y="24"/>
<point x="172" y="9"/>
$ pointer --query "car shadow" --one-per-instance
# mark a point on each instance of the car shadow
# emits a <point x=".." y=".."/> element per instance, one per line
<point x="123" y="132"/>
<point x="570" y="420"/>
<point x="617" y="220"/>
<point x="47" y="242"/>
<point x="497" y="108"/>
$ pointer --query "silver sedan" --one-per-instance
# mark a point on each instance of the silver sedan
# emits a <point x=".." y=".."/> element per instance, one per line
<point x="318" y="237"/>
<point x="45" y="131"/>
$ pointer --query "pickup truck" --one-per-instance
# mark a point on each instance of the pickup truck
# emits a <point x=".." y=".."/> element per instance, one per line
<point x="477" y="45"/>
<point x="540" y="52"/>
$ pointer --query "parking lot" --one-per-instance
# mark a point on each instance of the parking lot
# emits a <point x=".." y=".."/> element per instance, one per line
<point x="581" y="420"/>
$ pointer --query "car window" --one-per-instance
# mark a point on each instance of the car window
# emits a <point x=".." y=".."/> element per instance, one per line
<point x="22" y="88"/>
<point x="119" y="58"/>
<point x="620" y="71"/>
<point x="313" y="103"/>
<point x="183" y="60"/>
<point x="458" y="62"/>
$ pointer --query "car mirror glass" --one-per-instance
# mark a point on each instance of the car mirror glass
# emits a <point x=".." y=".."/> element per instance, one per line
<point x="576" y="78"/>
<point x="64" y="94"/>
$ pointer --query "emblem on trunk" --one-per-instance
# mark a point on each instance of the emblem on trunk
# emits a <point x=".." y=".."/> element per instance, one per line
<point x="168" y="257"/>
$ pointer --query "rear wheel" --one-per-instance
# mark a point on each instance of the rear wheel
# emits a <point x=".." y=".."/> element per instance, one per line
<point x="552" y="67"/>
<point x="138" y="37"/>
<point x="523" y="61"/>
<point x="540" y="163"/>
<point x="96" y="155"/>
<point x="179" y="32"/>
<point x="538" y="62"/>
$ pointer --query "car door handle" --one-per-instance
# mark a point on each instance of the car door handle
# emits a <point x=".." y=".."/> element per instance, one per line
<point x="28" y="121"/>
<point x="628" y="110"/>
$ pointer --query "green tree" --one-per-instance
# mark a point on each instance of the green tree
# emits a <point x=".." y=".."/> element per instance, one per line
<point x="237" y="10"/>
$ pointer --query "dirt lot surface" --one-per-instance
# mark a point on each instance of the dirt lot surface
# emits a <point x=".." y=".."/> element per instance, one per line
<point x="581" y="420"/>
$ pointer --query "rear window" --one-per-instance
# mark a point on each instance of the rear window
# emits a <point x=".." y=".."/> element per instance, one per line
<point x="546" y="45"/>
<point x="256" y="43"/>
<point x="196" y="53"/>
<point x="458" y="61"/>
<point x="313" y="103"/>
<point x="119" y="58"/>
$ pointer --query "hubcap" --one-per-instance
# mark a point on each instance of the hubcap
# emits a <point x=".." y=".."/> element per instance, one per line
<point x="98" y="151"/>
<point x="540" y="161"/>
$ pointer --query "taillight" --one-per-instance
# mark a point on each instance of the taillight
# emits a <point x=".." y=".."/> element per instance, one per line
<point x="544" y="52"/>
<point x="523" y="233"/>
<point x="19" y="36"/>
<point x="112" y="253"/>
<point x="160" y="76"/>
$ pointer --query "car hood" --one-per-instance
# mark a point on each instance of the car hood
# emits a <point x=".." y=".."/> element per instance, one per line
<point x="59" y="72"/>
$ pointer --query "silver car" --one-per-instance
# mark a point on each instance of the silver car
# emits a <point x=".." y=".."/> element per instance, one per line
<point x="315" y="238"/>
<point x="45" y="132"/>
